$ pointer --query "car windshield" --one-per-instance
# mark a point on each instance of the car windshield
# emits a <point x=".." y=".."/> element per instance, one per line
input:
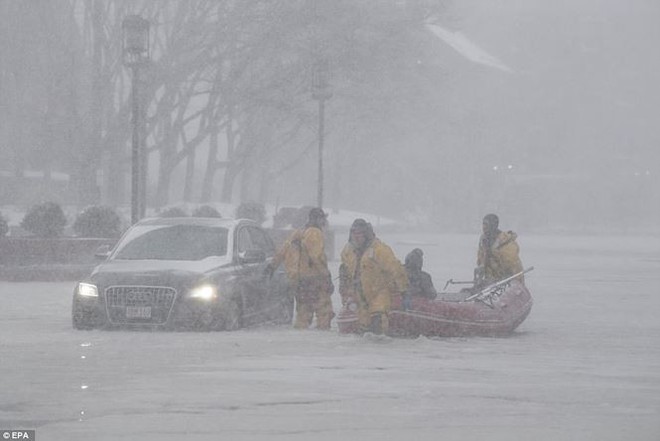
<point x="174" y="242"/>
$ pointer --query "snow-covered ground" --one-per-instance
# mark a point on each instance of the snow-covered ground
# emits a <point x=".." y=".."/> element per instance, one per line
<point x="584" y="366"/>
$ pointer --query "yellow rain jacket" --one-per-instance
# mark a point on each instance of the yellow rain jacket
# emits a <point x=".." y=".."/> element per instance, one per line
<point x="310" y="282"/>
<point x="501" y="259"/>
<point x="303" y="254"/>
<point x="372" y="279"/>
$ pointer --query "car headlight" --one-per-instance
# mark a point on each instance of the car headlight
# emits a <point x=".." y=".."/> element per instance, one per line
<point x="204" y="292"/>
<point x="87" y="290"/>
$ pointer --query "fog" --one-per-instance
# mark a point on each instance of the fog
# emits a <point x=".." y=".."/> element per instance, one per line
<point x="434" y="113"/>
<point x="542" y="111"/>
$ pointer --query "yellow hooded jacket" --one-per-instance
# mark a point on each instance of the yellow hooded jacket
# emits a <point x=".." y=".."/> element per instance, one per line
<point x="303" y="254"/>
<point x="502" y="259"/>
<point x="380" y="272"/>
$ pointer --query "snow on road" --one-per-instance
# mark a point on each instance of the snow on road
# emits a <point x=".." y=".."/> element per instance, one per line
<point x="584" y="366"/>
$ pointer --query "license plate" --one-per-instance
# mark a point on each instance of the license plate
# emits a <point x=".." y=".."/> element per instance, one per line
<point x="138" y="312"/>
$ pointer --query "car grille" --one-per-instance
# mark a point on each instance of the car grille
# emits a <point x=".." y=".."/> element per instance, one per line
<point x="139" y="304"/>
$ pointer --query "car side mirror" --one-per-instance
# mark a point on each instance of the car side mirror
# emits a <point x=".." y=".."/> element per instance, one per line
<point x="102" y="252"/>
<point x="252" y="256"/>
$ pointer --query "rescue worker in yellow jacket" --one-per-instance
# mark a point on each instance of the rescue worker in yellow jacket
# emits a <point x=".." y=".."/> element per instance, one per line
<point x="498" y="255"/>
<point x="370" y="275"/>
<point x="306" y="266"/>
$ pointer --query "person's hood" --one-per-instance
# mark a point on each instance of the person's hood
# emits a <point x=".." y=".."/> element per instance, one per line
<point x="504" y="238"/>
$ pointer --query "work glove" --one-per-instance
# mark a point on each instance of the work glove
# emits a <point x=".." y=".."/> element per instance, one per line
<point x="406" y="300"/>
<point x="347" y="297"/>
<point x="330" y="287"/>
<point x="479" y="273"/>
<point x="269" y="271"/>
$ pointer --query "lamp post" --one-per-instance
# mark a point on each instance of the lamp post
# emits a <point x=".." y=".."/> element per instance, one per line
<point x="321" y="92"/>
<point x="135" y="49"/>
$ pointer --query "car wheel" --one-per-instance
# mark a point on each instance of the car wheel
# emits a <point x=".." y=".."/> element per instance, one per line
<point x="231" y="316"/>
<point x="79" y="319"/>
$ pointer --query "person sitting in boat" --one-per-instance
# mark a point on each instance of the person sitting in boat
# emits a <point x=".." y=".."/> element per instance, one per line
<point x="498" y="256"/>
<point x="420" y="283"/>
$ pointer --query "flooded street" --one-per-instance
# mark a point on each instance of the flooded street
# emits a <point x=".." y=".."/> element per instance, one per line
<point x="585" y="365"/>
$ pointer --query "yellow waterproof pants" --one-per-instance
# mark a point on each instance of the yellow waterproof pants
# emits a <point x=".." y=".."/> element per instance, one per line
<point x="370" y="306"/>
<point x="313" y="298"/>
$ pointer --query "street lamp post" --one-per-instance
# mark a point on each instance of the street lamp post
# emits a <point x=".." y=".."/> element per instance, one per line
<point x="321" y="92"/>
<point x="135" y="48"/>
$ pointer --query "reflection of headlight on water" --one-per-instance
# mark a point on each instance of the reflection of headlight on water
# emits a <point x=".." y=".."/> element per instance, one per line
<point x="204" y="292"/>
<point x="87" y="290"/>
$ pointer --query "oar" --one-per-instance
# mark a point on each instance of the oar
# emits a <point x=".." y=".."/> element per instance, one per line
<point x="458" y="282"/>
<point x="496" y="284"/>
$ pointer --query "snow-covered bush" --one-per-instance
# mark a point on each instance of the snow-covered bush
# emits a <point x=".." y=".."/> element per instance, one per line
<point x="206" y="211"/>
<point x="173" y="212"/>
<point x="4" y="227"/>
<point x="98" y="221"/>
<point x="44" y="220"/>
<point x="285" y="217"/>
<point x="251" y="210"/>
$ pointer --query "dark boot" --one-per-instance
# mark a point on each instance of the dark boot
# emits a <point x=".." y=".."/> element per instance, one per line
<point x="377" y="324"/>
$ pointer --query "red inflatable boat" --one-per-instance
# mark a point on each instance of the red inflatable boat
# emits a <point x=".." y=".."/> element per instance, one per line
<point x="495" y="311"/>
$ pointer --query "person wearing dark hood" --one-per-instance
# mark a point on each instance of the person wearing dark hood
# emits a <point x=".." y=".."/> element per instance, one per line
<point x="306" y="266"/>
<point x="370" y="275"/>
<point x="498" y="255"/>
<point x="420" y="283"/>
